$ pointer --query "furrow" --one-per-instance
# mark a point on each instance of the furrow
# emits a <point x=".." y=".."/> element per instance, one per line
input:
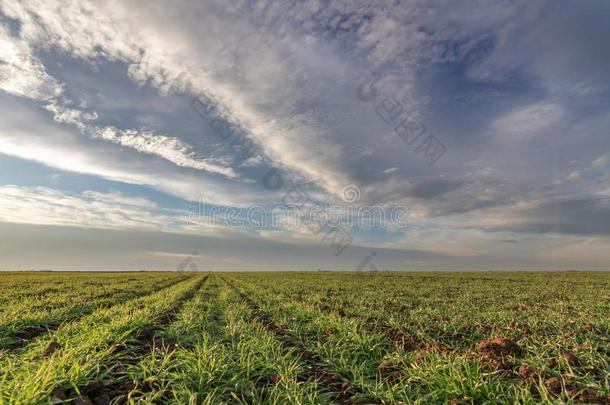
<point x="25" y="335"/>
<point x="144" y="341"/>
<point x="340" y="389"/>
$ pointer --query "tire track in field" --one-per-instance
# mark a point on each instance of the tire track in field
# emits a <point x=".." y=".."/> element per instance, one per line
<point x="28" y="334"/>
<point x="340" y="389"/>
<point x="96" y="392"/>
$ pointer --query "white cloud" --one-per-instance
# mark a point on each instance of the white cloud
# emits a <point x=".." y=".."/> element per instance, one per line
<point x="45" y="206"/>
<point x="76" y="117"/>
<point x="26" y="134"/>
<point x="578" y="251"/>
<point x="529" y="120"/>
<point x="265" y="80"/>
<point x="390" y="170"/>
<point x="244" y="72"/>
<point x="171" y="149"/>
<point x="262" y="80"/>
<point x="601" y="161"/>
<point x="21" y="73"/>
<point x="117" y="198"/>
<point x="575" y="175"/>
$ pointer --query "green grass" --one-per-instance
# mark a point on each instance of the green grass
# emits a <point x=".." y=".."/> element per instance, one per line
<point x="278" y="338"/>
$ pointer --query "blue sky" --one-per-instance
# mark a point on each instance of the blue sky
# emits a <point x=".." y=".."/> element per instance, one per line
<point x="103" y="157"/>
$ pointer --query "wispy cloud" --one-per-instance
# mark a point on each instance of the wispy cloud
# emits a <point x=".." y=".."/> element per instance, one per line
<point x="171" y="149"/>
<point x="21" y="73"/>
<point x="102" y="89"/>
<point x="45" y="206"/>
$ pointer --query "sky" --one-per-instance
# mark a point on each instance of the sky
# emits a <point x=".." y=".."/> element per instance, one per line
<point x="130" y="130"/>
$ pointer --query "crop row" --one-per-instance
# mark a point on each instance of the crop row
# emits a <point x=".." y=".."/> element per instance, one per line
<point x="400" y="355"/>
<point x="321" y="338"/>
<point x="31" y="316"/>
<point x="79" y="351"/>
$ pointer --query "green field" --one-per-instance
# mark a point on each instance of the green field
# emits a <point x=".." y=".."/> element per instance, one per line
<point x="304" y="338"/>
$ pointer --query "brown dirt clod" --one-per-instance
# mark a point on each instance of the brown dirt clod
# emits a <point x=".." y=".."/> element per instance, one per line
<point x="554" y="385"/>
<point x="345" y="386"/>
<point x="571" y="359"/>
<point x="58" y="393"/>
<point x="97" y="393"/>
<point x="52" y="348"/>
<point x="407" y="342"/>
<point x="385" y="366"/>
<point x="391" y="371"/>
<point x="466" y="326"/>
<point x="528" y="373"/>
<point x="590" y="396"/>
<point x="495" y="348"/>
